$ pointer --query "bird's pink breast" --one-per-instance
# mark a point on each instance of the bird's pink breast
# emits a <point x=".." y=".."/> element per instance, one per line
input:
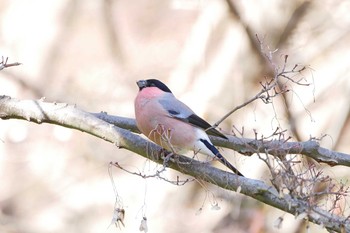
<point x="155" y="122"/>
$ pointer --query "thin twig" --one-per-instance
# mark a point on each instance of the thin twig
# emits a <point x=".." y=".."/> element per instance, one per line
<point x="4" y="64"/>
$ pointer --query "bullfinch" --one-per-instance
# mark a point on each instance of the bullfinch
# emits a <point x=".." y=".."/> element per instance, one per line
<point x="172" y="124"/>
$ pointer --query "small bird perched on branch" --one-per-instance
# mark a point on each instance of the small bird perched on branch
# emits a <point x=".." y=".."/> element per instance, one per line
<point x="172" y="124"/>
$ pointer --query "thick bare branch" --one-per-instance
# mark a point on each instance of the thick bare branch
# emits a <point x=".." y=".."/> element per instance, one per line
<point x="70" y="116"/>
<point x="248" y="146"/>
<point x="309" y="148"/>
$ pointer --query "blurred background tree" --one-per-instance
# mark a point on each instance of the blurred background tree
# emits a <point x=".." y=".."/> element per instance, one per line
<point x="90" y="53"/>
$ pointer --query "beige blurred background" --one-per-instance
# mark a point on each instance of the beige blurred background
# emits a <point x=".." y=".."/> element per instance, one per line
<point x="90" y="53"/>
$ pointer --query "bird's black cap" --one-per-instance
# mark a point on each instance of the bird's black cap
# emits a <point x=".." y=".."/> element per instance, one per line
<point x="152" y="83"/>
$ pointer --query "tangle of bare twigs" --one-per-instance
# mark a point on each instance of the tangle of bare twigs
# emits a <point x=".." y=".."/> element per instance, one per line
<point x="272" y="86"/>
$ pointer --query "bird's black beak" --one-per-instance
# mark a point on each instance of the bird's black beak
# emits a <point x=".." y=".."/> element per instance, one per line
<point x="141" y="84"/>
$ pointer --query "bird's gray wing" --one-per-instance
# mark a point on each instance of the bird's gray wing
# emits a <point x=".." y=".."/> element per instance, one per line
<point x="182" y="112"/>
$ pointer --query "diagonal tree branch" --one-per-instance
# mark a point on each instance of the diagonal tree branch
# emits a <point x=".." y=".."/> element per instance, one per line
<point x="70" y="116"/>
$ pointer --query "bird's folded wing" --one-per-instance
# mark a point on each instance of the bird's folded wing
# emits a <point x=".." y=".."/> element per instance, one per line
<point x="182" y="112"/>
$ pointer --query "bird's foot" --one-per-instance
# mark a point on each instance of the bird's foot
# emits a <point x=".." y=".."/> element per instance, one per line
<point x="167" y="158"/>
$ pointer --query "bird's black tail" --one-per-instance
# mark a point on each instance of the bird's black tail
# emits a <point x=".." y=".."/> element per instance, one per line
<point x="222" y="159"/>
